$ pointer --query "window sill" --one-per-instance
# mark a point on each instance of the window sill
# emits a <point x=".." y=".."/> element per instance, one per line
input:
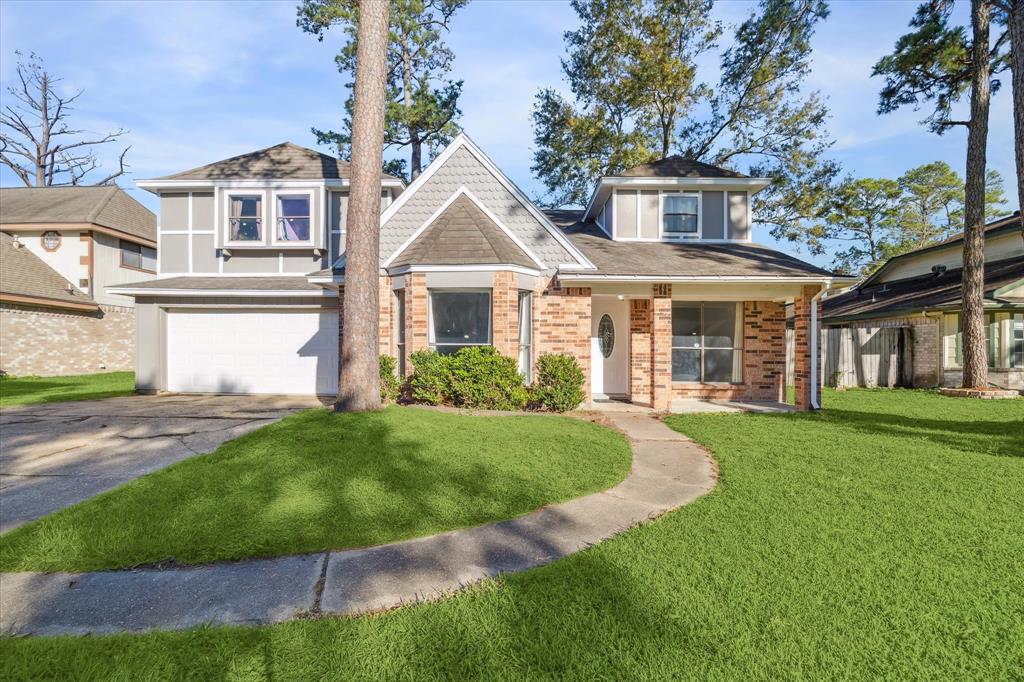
<point x="708" y="384"/>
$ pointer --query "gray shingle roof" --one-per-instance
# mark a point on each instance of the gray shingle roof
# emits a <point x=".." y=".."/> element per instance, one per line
<point x="922" y="292"/>
<point x="297" y="284"/>
<point x="286" y="161"/>
<point x="22" y="273"/>
<point x="664" y="259"/>
<point x="678" y="167"/>
<point x="463" y="235"/>
<point x="106" y="205"/>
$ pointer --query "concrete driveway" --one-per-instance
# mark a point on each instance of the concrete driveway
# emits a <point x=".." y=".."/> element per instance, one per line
<point x="57" y="454"/>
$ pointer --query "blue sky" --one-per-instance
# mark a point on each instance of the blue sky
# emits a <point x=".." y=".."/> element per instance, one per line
<point x="197" y="82"/>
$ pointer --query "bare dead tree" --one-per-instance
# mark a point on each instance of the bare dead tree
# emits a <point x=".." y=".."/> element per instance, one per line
<point x="359" y="388"/>
<point x="36" y="141"/>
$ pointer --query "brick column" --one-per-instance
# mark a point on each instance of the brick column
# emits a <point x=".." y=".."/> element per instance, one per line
<point x="386" y="320"/>
<point x="416" y="337"/>
<point x="802" y="347"/>
<point x="640" y="350"/>
<point x="764" y="349"/>
<point x="505" y="313"/>
<point x="661" y="346"/>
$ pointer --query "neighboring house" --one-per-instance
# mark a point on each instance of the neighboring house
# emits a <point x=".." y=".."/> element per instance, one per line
<point x="656" y="288"/>
<point x="921" y="291"/>
<point x="60" y="247"/>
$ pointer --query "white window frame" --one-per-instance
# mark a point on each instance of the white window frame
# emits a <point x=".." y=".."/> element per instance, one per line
<point x="284" y="243"/>
<point x="245" y="192"/>
<point x="432" y="341"/>
<point x="525" y="361"/>
<point x="680" y="236"/>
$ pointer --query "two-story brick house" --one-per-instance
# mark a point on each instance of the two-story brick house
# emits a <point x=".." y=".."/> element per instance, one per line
<point x="656" y="288"/>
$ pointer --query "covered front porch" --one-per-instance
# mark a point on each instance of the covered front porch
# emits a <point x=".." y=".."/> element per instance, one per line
<point x="688" y="346"/>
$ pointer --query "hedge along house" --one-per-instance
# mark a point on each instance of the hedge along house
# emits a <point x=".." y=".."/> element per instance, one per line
<point x="656" y="287"/>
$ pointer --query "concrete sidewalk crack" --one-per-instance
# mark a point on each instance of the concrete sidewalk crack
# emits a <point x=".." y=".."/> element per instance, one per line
<point x="318" y="590"/>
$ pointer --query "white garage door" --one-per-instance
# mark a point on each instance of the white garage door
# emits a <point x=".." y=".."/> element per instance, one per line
<point x="265" y="351"/>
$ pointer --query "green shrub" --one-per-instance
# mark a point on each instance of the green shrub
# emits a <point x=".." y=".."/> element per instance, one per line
<point x="559" y="385"/>
<point x="430" y="378"/>
<point x="481" y="378"/>
<point x="389" y="384"/>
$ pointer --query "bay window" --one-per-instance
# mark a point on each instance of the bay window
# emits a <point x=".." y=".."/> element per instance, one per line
<point x="245" y="218"/>
<point x="459" y="318"/>
<point x="679" y="214"/>
<point x="707" y="342"/>
<point x="293" y="217"/>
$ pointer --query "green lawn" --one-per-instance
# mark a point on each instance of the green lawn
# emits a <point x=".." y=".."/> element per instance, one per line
<point x="34" y="390"/>
<point x="319" y="480"/>
<point x="881" y="539"/>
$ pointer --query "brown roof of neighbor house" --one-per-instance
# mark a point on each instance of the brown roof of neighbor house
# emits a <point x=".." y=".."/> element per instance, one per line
<point x="463" y="235"/>
<point x="285" y="161"/>
<point x="104" y="205"/>
<point x="998" y="226"/>
<point x="678" y="167"/>
<point x="23" y="275"/>
<point x="664" y="259"/>
<point x="297" y="284"/>
<point x="923" y="292"/>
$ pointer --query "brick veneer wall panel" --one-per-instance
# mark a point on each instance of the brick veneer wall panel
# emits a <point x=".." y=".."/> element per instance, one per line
<point x="53" y="342"/>
<point x="640" y="349"/>
<point x="661" y="347"/>
<point x="505" y="313"/>
<point x="386" y="320"/>
<point x="802" y="347"/>
<point x="562" y="323"/>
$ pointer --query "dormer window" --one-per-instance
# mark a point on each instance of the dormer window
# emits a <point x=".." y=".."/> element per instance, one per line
<point x="293" y="217"/>
<point x="680" y="214"/>
<point x="245" y="220"/>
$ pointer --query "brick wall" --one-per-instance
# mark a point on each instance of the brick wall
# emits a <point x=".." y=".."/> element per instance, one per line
<point x="661" y="346"/>
<point x="561" y="322"/>
<point x="505" y="313"/>
<point x="802" y="347"/>
<point x="53" y="342"/>
<point x="640" y="349"/>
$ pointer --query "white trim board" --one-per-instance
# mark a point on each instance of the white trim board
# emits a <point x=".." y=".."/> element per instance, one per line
<point x="463" y="141"/>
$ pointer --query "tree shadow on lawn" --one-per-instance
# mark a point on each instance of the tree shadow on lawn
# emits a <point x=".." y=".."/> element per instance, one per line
<point x="294" y="487"/>
<point x="998" y="437"/>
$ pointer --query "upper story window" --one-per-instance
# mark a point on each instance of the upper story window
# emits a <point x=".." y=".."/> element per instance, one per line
<point x="680" y="214"/>
<point x="245" y="219"/>
<point x="51" y="240"/>
<point x="293" y="217"/>
<point x="138" y="257"/>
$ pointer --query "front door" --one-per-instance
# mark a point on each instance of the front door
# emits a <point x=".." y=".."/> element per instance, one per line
<point x="609" y="346"/>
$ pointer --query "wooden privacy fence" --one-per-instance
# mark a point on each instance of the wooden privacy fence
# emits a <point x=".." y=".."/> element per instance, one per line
<point x="866" y="357"/>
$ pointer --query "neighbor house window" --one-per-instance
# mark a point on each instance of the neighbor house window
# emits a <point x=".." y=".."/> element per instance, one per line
<point x="707" y="342"/>
<point x="138" y="257"/>
<point x="51" y="240"/>
<point x="400" y="330"/>
<point x="679" y="214"/>
<point x="458" y="319"/>
<point x="1004" y="340"/>
<point x="245" y="223"/>
<point x="293" y="217"/>
<point x="526" y="336"/>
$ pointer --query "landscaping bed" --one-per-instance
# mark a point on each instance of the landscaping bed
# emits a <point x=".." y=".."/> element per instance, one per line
<point x="320" y="480"/>
<point x="879" y="539"/>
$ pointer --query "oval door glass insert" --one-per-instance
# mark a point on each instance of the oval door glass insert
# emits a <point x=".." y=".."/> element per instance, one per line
<point x="606" y="335"/>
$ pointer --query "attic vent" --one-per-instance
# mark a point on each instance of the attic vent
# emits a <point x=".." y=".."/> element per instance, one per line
<point x="938" y="270"/>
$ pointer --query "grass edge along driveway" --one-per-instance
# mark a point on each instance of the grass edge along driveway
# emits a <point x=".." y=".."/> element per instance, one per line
<point x="32" y="390"/>
<point x="881" y="539"/>
<point x="320" y="480"/>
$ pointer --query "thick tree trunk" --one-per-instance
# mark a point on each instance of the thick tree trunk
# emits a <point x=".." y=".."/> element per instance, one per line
<point x="359" y="387"/>
<point x="972" y="312"/>
<point x="1016" y="29"/>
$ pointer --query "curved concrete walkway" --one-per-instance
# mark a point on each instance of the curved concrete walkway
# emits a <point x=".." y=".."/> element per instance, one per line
<point x="668" y="471"/>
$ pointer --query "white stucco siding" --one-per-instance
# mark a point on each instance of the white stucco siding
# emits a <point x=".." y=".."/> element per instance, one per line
<point x="67" y="260"/>
<point x="463" y="169"/>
